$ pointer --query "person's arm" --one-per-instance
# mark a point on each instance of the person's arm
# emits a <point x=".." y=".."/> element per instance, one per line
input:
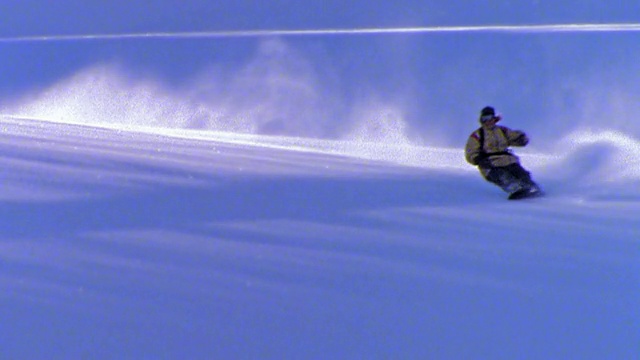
<point x="516" y="137"/>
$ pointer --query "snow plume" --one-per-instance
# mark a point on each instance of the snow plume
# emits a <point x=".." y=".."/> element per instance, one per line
<point x="380" y="124"/>
<point x="609" y="156"/>
<point x="103" y="95"/>
<point x="277" y="92"/>
<point x="600" y="163"/>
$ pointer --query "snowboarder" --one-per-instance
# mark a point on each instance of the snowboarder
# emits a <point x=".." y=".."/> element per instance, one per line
<point x="488" y="149"/>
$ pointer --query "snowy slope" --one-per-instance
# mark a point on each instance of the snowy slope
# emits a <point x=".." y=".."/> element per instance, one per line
<point x="128" y="244"/>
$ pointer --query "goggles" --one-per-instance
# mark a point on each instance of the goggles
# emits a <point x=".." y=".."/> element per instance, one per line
<point x="485" y="118"/>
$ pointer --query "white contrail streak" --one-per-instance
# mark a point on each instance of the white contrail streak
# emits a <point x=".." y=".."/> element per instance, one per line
<point x="551" y="28"/>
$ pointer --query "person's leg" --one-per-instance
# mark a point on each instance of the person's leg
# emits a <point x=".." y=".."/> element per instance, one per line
<point x="519" y="172"/>
<point x="522" y="175"/>
<point x="503" y="177"/>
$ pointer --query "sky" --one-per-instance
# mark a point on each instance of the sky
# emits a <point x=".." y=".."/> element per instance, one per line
<point x="431" y="84"/>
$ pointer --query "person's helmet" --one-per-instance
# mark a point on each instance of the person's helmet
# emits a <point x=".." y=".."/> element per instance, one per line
<point x="488" y="113"/>
<point x="487" y="110"/>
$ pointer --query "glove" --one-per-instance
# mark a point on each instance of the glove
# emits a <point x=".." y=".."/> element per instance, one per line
<point x="521" y="140"/>
<point x="483" y="161"/>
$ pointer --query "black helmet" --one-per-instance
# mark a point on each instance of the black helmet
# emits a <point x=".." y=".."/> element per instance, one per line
<point x="487" y="113"/>
<point x="488" y="110"/>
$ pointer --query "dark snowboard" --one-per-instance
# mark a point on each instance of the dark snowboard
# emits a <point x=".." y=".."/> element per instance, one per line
<point x="526" y="194"/>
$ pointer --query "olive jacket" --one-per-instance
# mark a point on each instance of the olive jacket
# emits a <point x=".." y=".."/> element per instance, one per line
<point x="489" y="147"/>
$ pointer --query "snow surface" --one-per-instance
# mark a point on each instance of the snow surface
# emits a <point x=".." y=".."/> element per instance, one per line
<point x="154" y="243"/>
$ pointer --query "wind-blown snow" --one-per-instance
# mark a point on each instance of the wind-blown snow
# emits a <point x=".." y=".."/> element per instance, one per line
<point x="142" y="242"/>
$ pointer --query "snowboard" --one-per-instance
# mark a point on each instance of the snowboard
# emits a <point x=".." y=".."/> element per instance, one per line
<point x="526" y="194"/>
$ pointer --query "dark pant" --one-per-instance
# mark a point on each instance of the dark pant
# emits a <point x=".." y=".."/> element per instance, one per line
<point x="511" y="177"/>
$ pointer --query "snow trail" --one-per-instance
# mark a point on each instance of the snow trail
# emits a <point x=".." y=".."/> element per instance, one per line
<point x="535" y="28"/>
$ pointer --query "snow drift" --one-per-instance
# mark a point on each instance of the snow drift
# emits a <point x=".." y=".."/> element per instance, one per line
<point x="179" y="244"/>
